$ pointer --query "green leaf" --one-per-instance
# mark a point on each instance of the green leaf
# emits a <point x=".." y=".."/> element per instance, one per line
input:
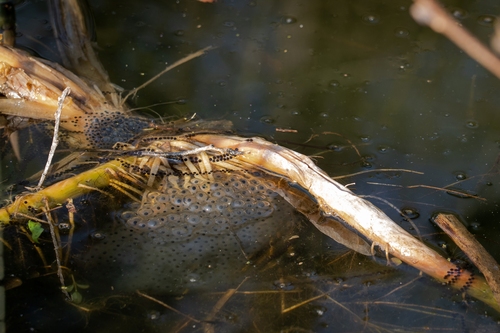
<point x="76" y="297"/>
<point x="36" y="230"/>
<point x="82" y="286"/>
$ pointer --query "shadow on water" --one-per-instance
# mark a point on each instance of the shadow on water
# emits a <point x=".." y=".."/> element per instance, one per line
<point x="404" y="96"/>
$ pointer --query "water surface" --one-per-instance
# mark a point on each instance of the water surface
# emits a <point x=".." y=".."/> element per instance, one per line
<point x="343" y="74"/>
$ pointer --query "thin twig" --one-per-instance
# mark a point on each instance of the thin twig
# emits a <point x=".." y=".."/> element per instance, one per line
<point x="378" y="170"/>
<point x="55" y="138"/>
<point x="175" y="64"/>
<point x="450" y="191"/>
<point x="57" y="248"/>
<point x="208" y="327"/>
<point x="298" y="305"/>
<point x="167" y="306"/>
<point x="430" y="13"/>
<point x="401" y="287"/>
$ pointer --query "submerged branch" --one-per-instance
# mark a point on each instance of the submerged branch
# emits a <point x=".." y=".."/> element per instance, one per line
<point x="474" y="250"/>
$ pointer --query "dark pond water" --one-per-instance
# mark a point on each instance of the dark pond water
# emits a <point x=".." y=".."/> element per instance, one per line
<point x="342" y="72"/>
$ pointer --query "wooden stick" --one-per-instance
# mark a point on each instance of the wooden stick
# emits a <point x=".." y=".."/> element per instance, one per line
<point x="55" y="137"/>
<point x="474" y="250"/>
<point x="430" y="13"/>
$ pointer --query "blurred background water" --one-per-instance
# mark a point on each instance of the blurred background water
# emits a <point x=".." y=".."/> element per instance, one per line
<point x="341" y="72"/>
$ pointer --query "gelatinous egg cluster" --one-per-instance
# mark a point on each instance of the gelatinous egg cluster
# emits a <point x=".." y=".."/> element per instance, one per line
<point x="201" y="208"/>
<point x="192" y="234"/>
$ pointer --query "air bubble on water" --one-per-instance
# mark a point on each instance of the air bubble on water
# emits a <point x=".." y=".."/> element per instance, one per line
<point x="335" y="147"/>
<point x="460" y="175"/>
<point x="365" y="138"/>
<point x="267" y="120"/>
<point x="472" y="124"/>
<point x="193" y="278"/>
<point x="475" y="226"/>
<point x="458" y="13"/>
<point x="401" y="32"/>
<point x="410" y="212"/>
<point x="486" y="20"/>
<point x="334" y="84"/>
<point x="383" y="149"/>
<point x="371" y="18"/>
<point x="283" y="285"/>
<point x="366" y="164"/>
<point x="320" y="311"/>
<point x="153" y="315"/>
<point x="288" y="20"/>
<point x="179" y="33"/>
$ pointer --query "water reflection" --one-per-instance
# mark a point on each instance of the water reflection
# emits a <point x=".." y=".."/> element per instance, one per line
<point x="405" y="97"/>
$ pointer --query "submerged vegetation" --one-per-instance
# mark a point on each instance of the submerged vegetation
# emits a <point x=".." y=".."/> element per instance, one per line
<point x="189" y="213"/>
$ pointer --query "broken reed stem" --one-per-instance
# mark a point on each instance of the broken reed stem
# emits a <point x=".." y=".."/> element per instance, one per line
<point x="430" y="13"/>
<point x="55" y="138"/>
<point x="336" y="200"/>
<point x="473" y="249"/>
<point x="57" y="248"/>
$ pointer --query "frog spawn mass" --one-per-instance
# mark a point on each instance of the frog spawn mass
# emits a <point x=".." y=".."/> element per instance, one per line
<point x="192" y="234"/>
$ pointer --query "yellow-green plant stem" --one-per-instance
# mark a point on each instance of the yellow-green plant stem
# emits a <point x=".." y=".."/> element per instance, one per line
<point x="61" y="191"/>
